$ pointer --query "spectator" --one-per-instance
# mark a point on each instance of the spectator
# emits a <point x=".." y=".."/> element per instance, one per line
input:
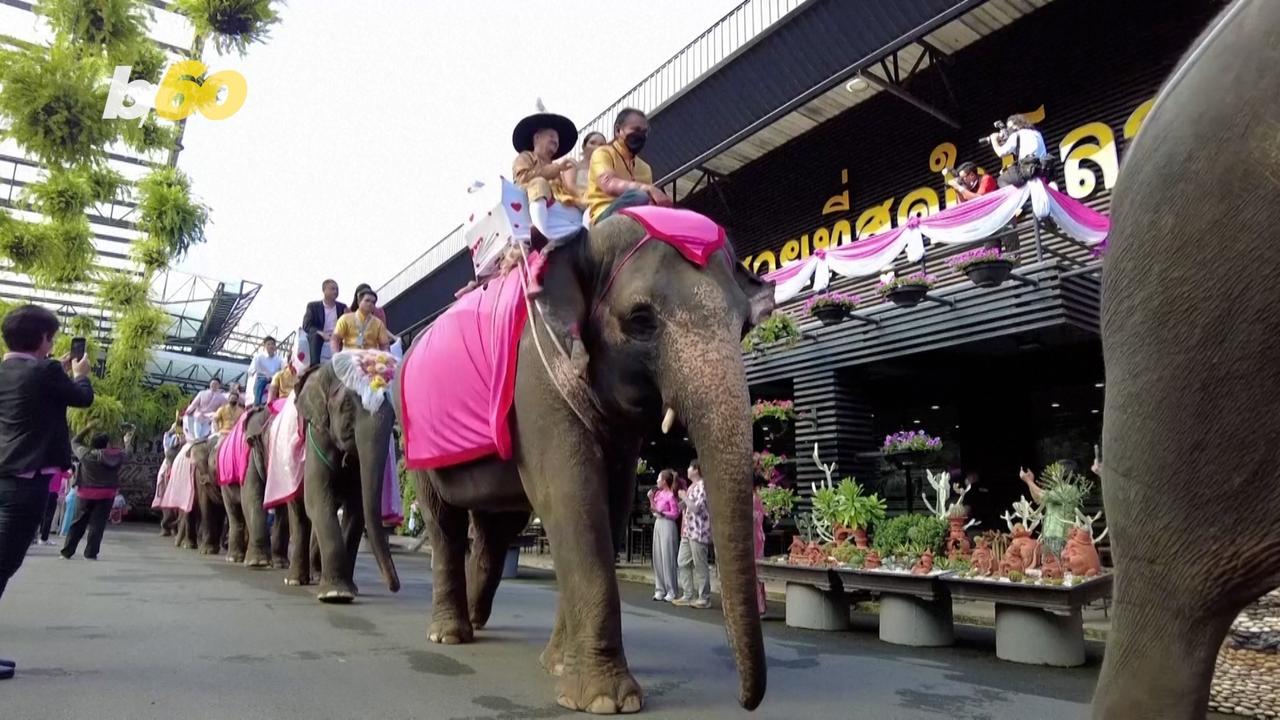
<point x="361" y="329"/>
<point x="99" y="483"/>
<point x="265" y="366"/>
<point x="666" y="537"/>
<point x="757" y="525"/>
<point x="320" y="320"/>
<point x="695" y="543"/>
<point x="35" y="393"/>
<point x="201" y="411"/>
<point x="969" y="185"/>
<point x="1025" y="143"/>
<point x="618" y="177"/>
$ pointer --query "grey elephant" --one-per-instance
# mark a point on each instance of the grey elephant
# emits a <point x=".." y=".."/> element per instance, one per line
<point x="1191" y="337"/>
<point x="663" y="338"/>
<point x="266" y="546"/>
<point x="210" y="504"/>
<point x="346" y="451"/>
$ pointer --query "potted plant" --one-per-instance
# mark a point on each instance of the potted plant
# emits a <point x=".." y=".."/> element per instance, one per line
<point x="857" y="511"/>
<point x="765" y="465"/>
<point x="777" y="502"/>
<point x="777" y="328"/>
<point x="773" y="415"/>
<point x="985" y="267"/>
<point x="909" y="448"/>
<point x="907" y="291"/>
<point x="831" y="307"/>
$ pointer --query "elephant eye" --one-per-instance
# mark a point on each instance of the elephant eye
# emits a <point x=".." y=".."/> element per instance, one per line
<point x="641" y="323"/>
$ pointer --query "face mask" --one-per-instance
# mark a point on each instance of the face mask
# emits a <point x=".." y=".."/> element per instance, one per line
<point x="635" y="142"/>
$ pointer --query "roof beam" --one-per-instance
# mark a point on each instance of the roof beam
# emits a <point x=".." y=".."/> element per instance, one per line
<point x="899" y="92"/>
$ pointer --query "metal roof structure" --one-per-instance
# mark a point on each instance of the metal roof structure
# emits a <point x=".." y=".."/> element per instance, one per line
<point x="766" y="73"/>
<point x="205" y="312"/>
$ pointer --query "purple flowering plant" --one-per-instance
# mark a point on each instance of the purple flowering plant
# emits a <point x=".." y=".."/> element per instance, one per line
<point x="978" y="256"/>
<point x="924" y="279"/>
<point x="783" y="410"/>
<point x="910" y="441"/>
<point x="845" y="301"/>
<point x="765" y="465"/>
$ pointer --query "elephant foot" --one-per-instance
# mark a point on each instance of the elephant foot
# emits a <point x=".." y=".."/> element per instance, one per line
<point x="166" y="533"/>
<point x="608" y="694"/>
<point x="340" y="592"/>
<point x="450" y="632"/>
<point x="210" y="550"/>
<point x="552" y="660"/>
<point x="295" y="582"/>
<point x="187" y="545"/>
<point x="237" y="559"/>
<point x="280" y="562"/>
<point x="257" y="563"/>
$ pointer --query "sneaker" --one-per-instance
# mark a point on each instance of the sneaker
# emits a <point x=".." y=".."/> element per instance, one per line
<point x="658" y="596"/>
<point x="669" y="598"/>
<point x="48" y="542"/>
<point x="682" y="602"/>
<point x="64" y="554"/>
<point x="700" y="604"/>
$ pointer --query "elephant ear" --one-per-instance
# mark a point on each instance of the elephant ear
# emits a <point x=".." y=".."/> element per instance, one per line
<point x="759" y="293"/>
<point x="255" y="426"/>
<point x="313" y="395"/>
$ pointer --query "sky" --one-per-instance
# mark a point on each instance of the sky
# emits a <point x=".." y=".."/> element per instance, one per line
<point x="365" y="123"/>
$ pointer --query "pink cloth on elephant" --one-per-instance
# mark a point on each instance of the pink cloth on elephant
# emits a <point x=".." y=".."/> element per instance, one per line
<point x="286" y="449"/>
<point x="180" y="491"/>
<point x="233" y="454"/>
<point x="695" y="235"/>
<point x="457" y="389"/>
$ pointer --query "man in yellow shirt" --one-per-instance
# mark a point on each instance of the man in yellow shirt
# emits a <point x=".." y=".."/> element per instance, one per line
<point x="282" y="383"/>
<point x="361" y="330"/>
<point x="227" y="415"/>
<point x="538" y="169"/>
<point x="618" y="177"/>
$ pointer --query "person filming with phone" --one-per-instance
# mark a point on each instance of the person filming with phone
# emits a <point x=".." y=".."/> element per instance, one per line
<point x="35" y="442"/>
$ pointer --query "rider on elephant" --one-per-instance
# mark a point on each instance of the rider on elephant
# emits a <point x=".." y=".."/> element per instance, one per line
<point x="226" y="416"/>
<point x="619" y="178"/>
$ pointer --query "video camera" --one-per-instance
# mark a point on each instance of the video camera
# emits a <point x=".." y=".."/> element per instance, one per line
<point x="1001" y="131"/>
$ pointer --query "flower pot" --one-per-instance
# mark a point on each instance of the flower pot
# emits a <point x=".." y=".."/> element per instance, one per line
<point x="907" y="295"/>
<point x="989" y="274"/>
<point x="860" y="538"/>
<point x="911" y="458"/>
<point x="771" y="426"/>
<point x="830" y="314"/>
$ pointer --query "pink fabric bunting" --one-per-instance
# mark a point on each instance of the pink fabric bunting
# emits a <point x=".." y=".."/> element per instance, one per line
<point x="233" y="454"/>
<point x="180" y="491"/>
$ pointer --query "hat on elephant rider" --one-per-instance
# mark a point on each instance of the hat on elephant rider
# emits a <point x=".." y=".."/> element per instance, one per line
<point x="522" y="136"/>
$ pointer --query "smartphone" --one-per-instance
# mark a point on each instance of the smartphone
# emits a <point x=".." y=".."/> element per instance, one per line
<point x="78" y="345"/>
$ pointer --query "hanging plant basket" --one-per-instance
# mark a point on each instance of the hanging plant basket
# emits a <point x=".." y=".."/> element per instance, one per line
<point x="832" y="308"/>
<point x="831" y="314"/>
<point x="232" y="24"/>
<point x="989" y="274"/>
<point x="907" y="295"/>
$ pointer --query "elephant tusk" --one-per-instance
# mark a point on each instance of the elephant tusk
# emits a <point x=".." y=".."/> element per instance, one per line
<point x="668" y="420"/>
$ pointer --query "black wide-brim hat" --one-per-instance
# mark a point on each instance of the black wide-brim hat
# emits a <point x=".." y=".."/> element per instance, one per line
<point x="522" y="136"/>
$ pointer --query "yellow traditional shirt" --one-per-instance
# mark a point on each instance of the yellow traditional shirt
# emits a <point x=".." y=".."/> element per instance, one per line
<point x="226" y="416"/>
<point x="360" y="332"/>
<point x="284" y="382"/>
<point x="541" y="180"/>
<point x="613" y="158"/>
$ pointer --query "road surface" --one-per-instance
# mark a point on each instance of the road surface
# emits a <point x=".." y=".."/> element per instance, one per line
<point x="150" y="631"/>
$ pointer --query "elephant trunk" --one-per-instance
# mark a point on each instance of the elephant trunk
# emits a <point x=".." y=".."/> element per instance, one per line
<point x="716" y="409"/>
<point x="373" y="440"/>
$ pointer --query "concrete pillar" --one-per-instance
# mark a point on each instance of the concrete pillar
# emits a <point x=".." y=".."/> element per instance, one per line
<point x="814" y="609"/>
<point x="909" y="620"/>
<point x="1035" y="637"/>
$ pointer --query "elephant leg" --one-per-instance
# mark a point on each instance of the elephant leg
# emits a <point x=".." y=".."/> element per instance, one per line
<point x="231" y="496"/>
<point x="300" y="547"/>
<point x="447" y="527"/>
<point x="189" y="530"/>
<point x="552" y="658"/>
<point x="179" y="528"/>
<point x="211" y="521"/>
<point x="252" y="496"/>
<point x="353" y="530"/>
<point x="493" y="537"/>
<point x="321" y="500"/>
<point x="168" y="523"/>
<point x="317" y="560"/>
<point x="596" y="678"/>
<point x="280" y="540"/>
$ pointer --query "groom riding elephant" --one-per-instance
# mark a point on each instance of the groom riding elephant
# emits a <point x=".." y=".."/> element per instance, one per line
<point x="661" y="306"/>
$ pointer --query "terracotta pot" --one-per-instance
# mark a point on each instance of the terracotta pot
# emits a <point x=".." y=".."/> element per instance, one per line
<point x="860" y="538"/>
<point x="989" y="274"/>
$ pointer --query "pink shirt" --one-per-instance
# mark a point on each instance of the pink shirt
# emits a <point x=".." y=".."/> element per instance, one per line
<point x="664" y="501"/>
<point x="206" y="402"/>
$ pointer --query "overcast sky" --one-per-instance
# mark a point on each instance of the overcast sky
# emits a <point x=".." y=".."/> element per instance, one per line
<point x="365" y="122"/>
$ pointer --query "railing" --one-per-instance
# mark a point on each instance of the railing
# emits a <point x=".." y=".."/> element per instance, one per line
<point x="733" y="32"/>
<point x="435" y="256"/>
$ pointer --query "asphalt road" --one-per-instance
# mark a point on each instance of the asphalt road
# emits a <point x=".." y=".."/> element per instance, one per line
<point x="150" y="631"/>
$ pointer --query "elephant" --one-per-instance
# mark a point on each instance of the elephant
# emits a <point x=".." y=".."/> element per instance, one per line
<point x="660" y="334"/>
<point x="346" y="452"/>
<point x="266" y="548"/>
<point x="1190" y="341"/>
<point x="213" y="512"/>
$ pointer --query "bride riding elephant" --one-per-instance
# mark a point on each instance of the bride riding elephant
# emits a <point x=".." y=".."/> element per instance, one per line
<point x="346" y="428"/>
<point x="661" y="306"/>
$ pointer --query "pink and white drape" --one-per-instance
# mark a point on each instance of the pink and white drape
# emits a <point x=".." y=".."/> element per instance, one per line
<point x="968" y="222"/>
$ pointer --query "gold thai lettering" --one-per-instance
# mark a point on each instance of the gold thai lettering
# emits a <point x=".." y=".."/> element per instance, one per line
<point x="874" y="219"/>
<point x="839" y="203"/>
<point x="943" y="157"/>
<point x="1082" y="181"/>
<point x="767" y="259"/>
<point x="841" y="233"/>
<point x="790" y="251"/>
<point x="921" y="202"/>
<point x="821" y="239"/>
<point x="1136" y="119"/>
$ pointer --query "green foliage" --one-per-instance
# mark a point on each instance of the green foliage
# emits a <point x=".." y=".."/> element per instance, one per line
<point x="151" y="135"/>
<point x="910" y="533"/>
<point x="122" y="292"/>
<point x="5" y="307"/>
<point x="107" y="414"/>
<point x="68" y="259"/>
<point x="960" y="565"/>
<point x="232" y="24"/>
<point x="62" y="195"/>
<point x="777" y="502"/>
<point x="115" y="26"/>
<point x="845" y="505"/>
<point x="1064" y="489"/>
<point x="79" y="326"/>
<point x="151" y="253"/>
<point x="775" y="328"/>
<point x="1015" y="576"/>
<point x="408" y="495"/>
<point x="168" y="213"/>
<point x="24" y="244"/>
<point x="142" y="327"/>
<point x="147" y="62"/>
<point x="52" y="102"/>
<point x="849" y="554"/>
